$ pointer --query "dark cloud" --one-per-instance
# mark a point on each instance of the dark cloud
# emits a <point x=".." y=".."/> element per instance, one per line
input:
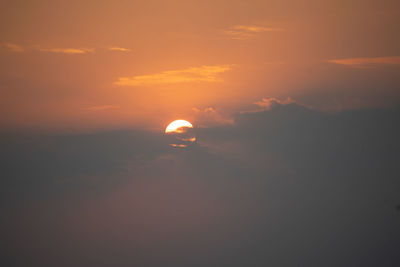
<point x="287" y="186"/>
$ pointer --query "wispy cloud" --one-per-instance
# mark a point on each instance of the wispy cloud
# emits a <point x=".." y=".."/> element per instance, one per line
<point x="250" y="28"/>
<point x="67" y="50"/>
<point x="367" y="62"/>
<point x="103" y="107"/>
<point x="121" y="49"/>
<point x="18" y="48"/>
<point x="176" y="145"/>
<point x="243" y="32"/>
<point x="194" y="74"/>
<point x="13" y="47"/>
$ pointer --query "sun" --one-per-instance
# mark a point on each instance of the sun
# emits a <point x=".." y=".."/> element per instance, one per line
<point x="178" y="126"/>
<point x="181" y="134"/>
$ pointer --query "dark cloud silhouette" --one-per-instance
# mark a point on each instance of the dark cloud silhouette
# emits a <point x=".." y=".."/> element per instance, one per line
<point x="287" y="186"/>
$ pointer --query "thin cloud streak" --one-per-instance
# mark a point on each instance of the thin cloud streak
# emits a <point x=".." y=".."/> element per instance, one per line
<point x="367" y="62"/>
<point x="250" y="28"/>
<point x="100" y="108"/>
<point x="18" y="48"/>
<point x="193" y="74"/>
<point x="70" y="51"/>
<point x="13" y="47"/>
<point x="121" y="49"/>
<point x="244" y="32"/>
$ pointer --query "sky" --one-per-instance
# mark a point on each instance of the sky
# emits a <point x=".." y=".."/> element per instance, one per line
<point x="105" y="64"/>
<point x="293" y="158"/>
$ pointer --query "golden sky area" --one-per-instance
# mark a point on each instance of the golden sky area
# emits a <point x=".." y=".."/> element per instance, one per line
<point x="84" y="64"/>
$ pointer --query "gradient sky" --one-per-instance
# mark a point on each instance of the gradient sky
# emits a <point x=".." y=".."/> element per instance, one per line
<point x="293" y="159"/>
<point x="108" y="64"/>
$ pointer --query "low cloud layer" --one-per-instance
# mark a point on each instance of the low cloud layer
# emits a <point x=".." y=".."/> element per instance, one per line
<point x="322" y="188"/>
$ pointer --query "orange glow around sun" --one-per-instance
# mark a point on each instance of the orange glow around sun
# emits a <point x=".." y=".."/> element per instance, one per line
<point x="177" y="126"/>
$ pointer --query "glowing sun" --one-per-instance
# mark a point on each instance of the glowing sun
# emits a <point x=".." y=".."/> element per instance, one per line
<point x="181" y="132"/>
<point x="178" y="126"/>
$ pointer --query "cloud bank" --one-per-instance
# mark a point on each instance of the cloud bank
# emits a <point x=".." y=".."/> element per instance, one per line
<point x="287" y="180"/>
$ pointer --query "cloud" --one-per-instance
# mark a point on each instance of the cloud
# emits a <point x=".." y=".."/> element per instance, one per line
<point x="244" y="32"/>
<point x="13" y="47"/>
<point x="285" y="181"/>
<point x="268" y="103"/>
<point x="194" y="74"/>
<point x="104" y="107"/>
<point x="367" y="62"/>
<point x="121" y="49"/>
<point x="248" y="28"/>
<point x="18" y="48"/>
<point x="209" y="117"/>
<point x="176" y="145"/>
<point x="67" y="50"/>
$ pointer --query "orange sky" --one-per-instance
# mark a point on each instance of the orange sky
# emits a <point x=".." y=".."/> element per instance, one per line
<point x="84" y="64"/>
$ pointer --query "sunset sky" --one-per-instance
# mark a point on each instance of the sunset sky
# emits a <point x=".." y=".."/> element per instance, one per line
<point x="75" y="64"/>
<point x="293" y="155"/>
